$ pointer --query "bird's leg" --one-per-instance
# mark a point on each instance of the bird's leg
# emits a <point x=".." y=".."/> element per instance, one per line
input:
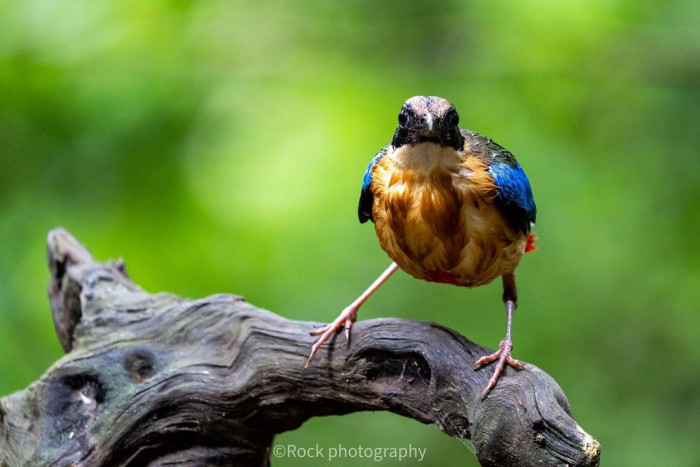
<point x="503" y="354"/>
<point x="348" y="316"/>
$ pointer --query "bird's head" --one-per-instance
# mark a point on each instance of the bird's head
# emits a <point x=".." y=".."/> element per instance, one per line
<point x="428" y="119"/>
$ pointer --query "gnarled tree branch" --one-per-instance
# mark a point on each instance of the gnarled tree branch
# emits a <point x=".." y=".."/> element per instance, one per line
<point x="154" y="378"/>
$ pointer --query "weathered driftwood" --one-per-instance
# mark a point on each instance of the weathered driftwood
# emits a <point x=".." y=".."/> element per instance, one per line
<point x="157" y="379"/>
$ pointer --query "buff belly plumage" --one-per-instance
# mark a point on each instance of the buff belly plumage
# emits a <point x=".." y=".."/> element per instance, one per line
<point x="438" y="221"/>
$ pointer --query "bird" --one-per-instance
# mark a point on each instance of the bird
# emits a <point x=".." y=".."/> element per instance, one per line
<point x="449" y="206"/>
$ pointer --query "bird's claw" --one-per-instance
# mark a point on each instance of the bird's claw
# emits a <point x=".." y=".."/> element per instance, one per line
<point x="503" y="355"/>
<point x="345" y="320"/>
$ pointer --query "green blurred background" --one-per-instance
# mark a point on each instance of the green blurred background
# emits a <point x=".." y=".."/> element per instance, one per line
<point x="219" y="147"/>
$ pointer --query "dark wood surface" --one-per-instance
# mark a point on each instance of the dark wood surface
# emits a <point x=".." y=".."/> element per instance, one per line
<point x="157" y="379"/>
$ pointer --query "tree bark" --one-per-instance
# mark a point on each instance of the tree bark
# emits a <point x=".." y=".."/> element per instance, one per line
<point x="154" y="379"/>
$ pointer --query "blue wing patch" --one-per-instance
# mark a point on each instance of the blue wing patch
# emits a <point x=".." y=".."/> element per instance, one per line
<point x="364" y="210"/>
<point x="514" y="195"/>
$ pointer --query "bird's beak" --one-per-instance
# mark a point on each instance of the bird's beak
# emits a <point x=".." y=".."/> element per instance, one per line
<point x="428" y="124"/>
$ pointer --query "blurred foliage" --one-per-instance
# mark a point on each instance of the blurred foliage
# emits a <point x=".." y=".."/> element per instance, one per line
<point x="219" y="147"/>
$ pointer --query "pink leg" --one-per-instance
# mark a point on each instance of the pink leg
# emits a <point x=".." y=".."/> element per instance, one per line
<point x="503" y="354"/>
<point x="348" y="316"/>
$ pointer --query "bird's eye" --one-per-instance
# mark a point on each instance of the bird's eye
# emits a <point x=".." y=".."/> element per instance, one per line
<point x="453" y="118"/>
<point x="403" y="119"/>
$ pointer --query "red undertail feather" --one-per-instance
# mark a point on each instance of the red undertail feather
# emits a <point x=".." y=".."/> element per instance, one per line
<point x="443" y="277"/>
<point x="530" y="245"/>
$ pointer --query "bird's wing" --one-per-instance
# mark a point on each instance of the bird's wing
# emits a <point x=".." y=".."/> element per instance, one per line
<point x="364" y="210"/>
<point x="514" y="195"/>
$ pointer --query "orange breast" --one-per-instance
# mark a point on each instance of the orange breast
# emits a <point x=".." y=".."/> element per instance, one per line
<point x="439" y="223"/>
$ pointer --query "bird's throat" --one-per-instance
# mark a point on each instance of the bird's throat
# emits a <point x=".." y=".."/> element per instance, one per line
<point x="425" y="158"/>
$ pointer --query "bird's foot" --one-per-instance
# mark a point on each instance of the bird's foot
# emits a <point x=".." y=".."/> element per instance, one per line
<point x="345" y="320"/>
<point x="503" y="355"/>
